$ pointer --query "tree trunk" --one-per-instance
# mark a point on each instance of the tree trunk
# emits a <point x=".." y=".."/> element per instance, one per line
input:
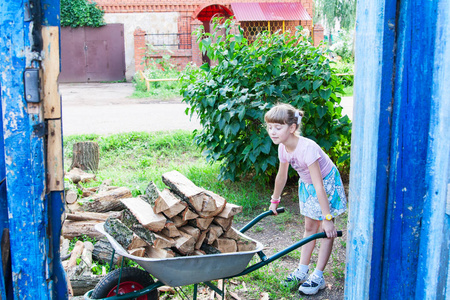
<point x="85" y="156"/>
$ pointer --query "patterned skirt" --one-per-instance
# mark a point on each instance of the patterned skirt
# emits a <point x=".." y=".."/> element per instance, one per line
<point x="309" y="203"/>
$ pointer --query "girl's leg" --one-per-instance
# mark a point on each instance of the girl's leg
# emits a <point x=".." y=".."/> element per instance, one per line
<point x="311" y="227"/>
<point x="326" y="246"/>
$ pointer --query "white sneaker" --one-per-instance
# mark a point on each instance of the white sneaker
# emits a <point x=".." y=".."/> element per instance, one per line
<point x="296" y="277"/>
<point x="312" y="285"/>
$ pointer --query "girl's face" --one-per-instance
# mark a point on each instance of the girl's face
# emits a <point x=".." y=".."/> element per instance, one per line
<point x="280" y="133"/>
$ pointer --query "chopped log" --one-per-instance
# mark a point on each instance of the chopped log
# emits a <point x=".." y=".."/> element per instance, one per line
<point x="225" y="245"/>
<point x="92" y="216"/>
<point x="152" y="252"/>
<point x="163" y="241"/>
<point x="64" y="248"/>
<point x="188" y="214"/>
<point x="77" y="175"/>
<point x="139" y="252"/>
<point x="84" y="283"/>
<point x="104" y="185"/>
<point x="209" y="249"/>
<point x="103" y="251"/>
<point x="86" y="193"/>
<point x="71" y="196"/>
<point x="185" y="243"/>
<point x="198" y="252"/>
<point x="230" y="210"/>
<point x="151" y="194"/>
<point x="244" y="244"/>
<point x="231" y="234"/>
<point x="189" y="192"/>
<point x="106" y="201"/>
<point x="201" y="239"/>
<point x="131" y="222"/>
<point x="178" y="221"/>
<point x="137" y="242"/>
<point x="85" y="156"/>
<point x="121" y="233"/>
<point x="224" y="223"/>
<point x="169" y="204"/>
<point x="201" y="223"/>
<point x="86" y="257"/>
<point x="72" y="229"/>
<point x="170" y="230"/>
<point x="76" y="252"/>
<point x="218" y="200"/>
<point x="144" y="214"/>
<point x="192" y="231"/>
<point x="214" y="232"/>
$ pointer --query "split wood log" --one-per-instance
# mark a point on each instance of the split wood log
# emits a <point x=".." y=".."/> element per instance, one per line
<point x="225" y="245"/>
<point x="64" y="248"/>
<point x="77" y="175"/>
<point x="202" y="201"/>
<point x="72" y="229"/>
<point x="86" y="257"/>
<point x="85" y="156"/>
<point x="214" y="232"/>
<point x="192" y="231"/>
<point x="230" y="210"/>
<point x="76" y="252"/>
<point x="152" y="194"/>
<point x="170" y="229"/>
<point x="129" y="220"/>
<point x="201" y="239"/>
<point x="231" y="234"/>
<point x="137" y="242"/>
<point x="169" y="204"/>
<point x="209" y="249"/>
<point x="84" y="283"/>
<point x="178" y="221"/>
<point x="198" y="252"/>
<point x="163" y="241"/>
<point x="185" y="243"/>
<point x="144" y="214"/>
<point x="121" y="233"/>
<point x="106" y="201"/>
<point x="93" y="216"/>
<point x="244" y="244"/>
<point x="188" y="214"/>
<point x="201" y="223"/>
<point x="71" y="196"/>
<point x="152" y="252"/>
<point x="139" y="252"/>
<point x="103" y="251"/>
<point x="225" y="223"/>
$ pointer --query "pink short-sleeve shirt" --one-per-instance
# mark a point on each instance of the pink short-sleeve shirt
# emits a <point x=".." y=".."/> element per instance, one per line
<point x="304" y="155"/>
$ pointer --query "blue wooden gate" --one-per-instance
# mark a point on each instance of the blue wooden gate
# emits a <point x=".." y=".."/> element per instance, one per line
<point x="31" y="169"/>
<point x="398" y="242"/>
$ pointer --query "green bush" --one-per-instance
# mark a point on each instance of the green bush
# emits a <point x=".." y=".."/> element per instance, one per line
<point x="80" y="13"/>
<point x="232" y="97"/>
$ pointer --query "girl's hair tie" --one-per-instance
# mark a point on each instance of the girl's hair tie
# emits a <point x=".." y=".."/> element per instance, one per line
<point x="299" y="118"/>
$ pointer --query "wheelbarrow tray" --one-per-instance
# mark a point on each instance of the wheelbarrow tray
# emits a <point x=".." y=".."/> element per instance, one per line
<point x="186" y="270"/>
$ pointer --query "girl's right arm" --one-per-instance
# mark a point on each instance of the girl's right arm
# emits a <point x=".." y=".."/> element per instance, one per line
<point x="280" y="182"/>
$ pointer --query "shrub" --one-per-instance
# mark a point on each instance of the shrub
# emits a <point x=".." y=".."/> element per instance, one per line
<point x="79" y="13"/>
<point x="232" y="97"/>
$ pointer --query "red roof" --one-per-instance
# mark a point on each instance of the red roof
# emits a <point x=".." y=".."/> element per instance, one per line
<point x="269" y="11"/>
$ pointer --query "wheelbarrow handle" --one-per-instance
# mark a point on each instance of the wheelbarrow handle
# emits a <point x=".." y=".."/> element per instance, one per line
<point x="258" y="218"/>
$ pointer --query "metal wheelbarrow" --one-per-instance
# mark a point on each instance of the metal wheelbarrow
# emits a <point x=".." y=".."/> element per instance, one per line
<point x="135" y="283"/>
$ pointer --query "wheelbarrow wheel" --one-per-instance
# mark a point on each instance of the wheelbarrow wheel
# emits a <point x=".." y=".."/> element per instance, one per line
<point x="132" y="279"/>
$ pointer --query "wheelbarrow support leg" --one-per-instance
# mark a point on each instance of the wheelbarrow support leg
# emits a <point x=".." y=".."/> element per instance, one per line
<point x="216" y="289"/>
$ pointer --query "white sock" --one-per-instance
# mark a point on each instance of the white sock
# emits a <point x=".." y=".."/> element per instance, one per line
<point x="318" y="273"/>
<point x="303" y="268"/>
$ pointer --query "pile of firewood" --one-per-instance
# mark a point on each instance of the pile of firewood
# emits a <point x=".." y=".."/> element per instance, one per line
<point x="181" y="220"/>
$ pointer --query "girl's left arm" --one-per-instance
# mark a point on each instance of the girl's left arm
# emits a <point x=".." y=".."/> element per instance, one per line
<point x="316" y="177"/>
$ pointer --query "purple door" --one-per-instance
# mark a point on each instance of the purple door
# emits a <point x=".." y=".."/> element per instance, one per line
<point x="92" y="54"/>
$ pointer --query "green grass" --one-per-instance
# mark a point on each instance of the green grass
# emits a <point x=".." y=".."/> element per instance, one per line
<point x="134" y="159"/>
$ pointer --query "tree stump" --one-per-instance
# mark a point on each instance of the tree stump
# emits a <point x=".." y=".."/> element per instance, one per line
<point x="85" y="156"/>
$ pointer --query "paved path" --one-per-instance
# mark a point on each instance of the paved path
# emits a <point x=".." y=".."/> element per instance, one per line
<point x="106" y="108"/>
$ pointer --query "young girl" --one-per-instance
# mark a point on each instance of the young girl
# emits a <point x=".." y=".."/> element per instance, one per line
<point x="321" y="192"/>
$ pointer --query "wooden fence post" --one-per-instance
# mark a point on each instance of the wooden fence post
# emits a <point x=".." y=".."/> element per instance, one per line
<point x="398" y="241"/>
<point x="32" y="148"/>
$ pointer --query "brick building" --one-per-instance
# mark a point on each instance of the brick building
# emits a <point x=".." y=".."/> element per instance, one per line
<point x="168" y="24"/>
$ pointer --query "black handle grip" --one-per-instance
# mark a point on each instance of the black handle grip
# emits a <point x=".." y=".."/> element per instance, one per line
<point x="339" y="233"/>
<point x="280" y="210"/>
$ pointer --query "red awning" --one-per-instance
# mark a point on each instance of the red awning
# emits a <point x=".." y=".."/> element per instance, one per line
<point x="270" y="11"/>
